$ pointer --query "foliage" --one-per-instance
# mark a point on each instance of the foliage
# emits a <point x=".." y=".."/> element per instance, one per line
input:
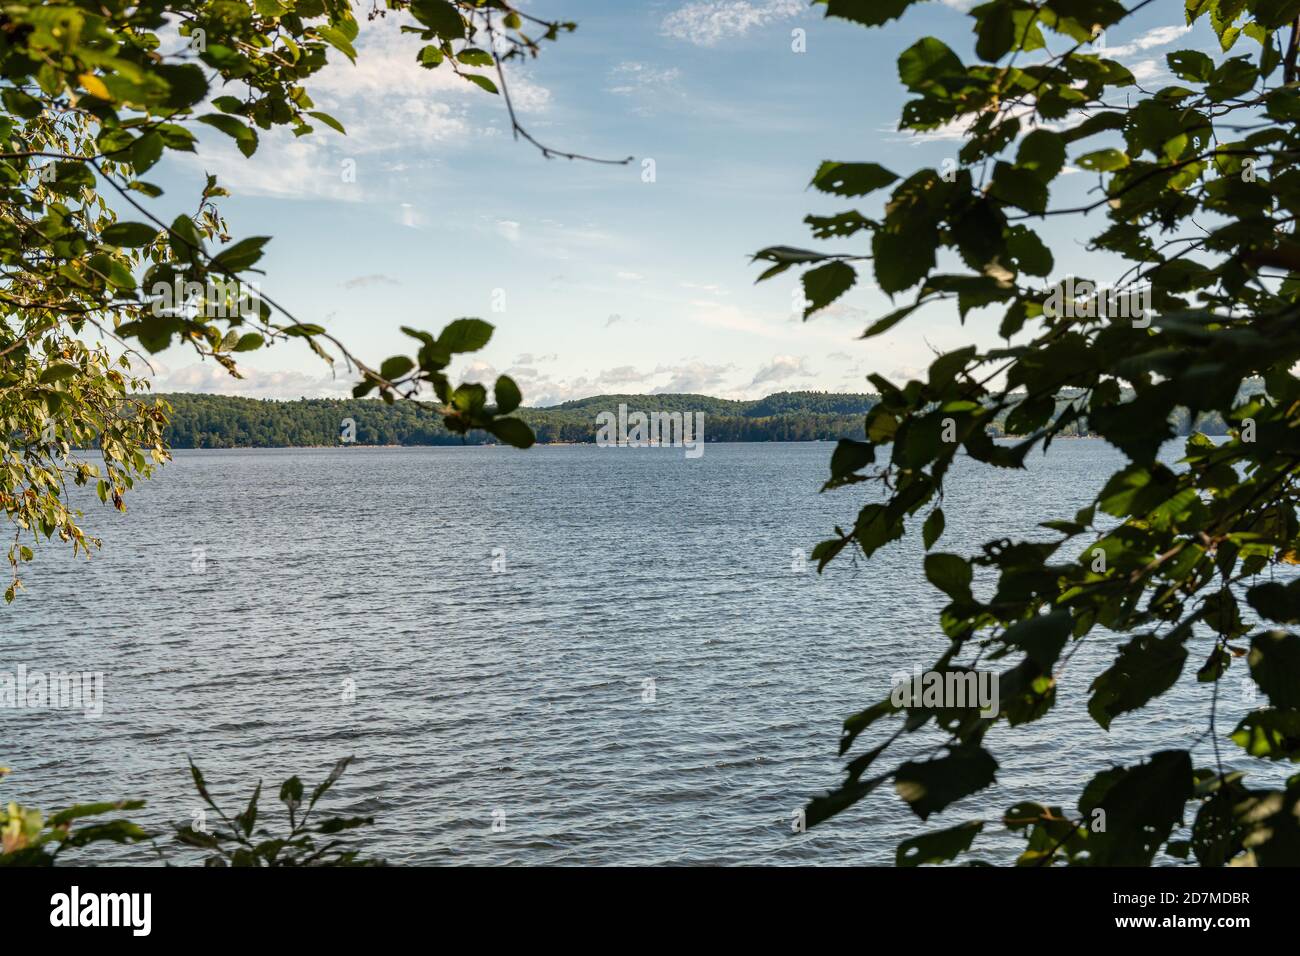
<point x="221" y="421"/>
<point x="28" y="838"/>
<point x="244" y="843"/>
<point x="94" y="95"/>
<point x="216" y="421"/>
<point x="1200" y="190"/>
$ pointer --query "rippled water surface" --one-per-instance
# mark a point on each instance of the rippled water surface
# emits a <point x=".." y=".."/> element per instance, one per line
<point x="523" y="695"/>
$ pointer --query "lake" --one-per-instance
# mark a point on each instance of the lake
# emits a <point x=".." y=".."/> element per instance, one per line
<point x="617" y="655"/>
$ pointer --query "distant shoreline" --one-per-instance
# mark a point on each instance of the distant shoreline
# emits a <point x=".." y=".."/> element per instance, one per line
<point x="216" y="421"/>
<point x="557" y="444"/>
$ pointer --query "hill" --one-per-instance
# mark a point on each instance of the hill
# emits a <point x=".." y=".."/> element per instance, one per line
<point x="222" y="421"/>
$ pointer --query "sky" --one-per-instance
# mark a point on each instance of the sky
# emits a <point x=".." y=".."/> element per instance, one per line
<point x="602" y="278"/>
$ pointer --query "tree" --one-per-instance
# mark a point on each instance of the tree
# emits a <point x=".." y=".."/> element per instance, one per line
<point x="1198" y="185"/>
<point x="93" y="96"/>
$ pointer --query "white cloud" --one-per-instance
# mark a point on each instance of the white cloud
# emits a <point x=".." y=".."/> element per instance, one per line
<point x="283" y="167"/>
<point x="630" y="78"/>
<point x="508" y="229"/>
<point x="365" y="282"/>
<point x="387" y="99"/>
<point x="1160" y="36"/>
<point x="708" y="22"/>
<point x="693" y="377"/>
<point x="1145" y="70"/>
<point x="389" y="104"/>
<point x="210" y="378"/>
<point x="781" y="368"/>
<point x="623" y="375"/>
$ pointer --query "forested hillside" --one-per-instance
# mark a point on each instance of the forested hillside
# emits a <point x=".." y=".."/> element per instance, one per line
<point x="220" y="421"/>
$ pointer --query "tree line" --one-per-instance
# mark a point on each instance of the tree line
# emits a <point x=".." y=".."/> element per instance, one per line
<point x="223" y="421"/>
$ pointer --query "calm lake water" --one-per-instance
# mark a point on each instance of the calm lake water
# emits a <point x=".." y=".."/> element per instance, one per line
<point x="523" y="695"/>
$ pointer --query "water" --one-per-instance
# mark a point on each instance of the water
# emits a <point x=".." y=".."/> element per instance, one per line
<point x="521" y="695"/>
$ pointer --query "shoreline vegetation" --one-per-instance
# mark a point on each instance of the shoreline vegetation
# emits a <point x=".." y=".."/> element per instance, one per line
<point x="221" y="421"/>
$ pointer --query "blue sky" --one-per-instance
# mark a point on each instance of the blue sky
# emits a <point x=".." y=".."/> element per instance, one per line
<point x="596" y="280"/>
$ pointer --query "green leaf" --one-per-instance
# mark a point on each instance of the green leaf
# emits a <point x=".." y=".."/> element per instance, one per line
<point x="183" y="238"/>
<point x="933" y="528"/>
<point x="851" y="179"/>
<point x="1140" y="807"/>
<point x="1275" y="666"/>
<point x="441" y="17"/>
<point x="339" y="40"/>
<point x="197" y="838"/>
<point x="1191" y="65"/>
<point x="1041" y="637"/>
<point x="291" y="791"/>
<point x="245" y="136"/>
<point x="1022" y="188"/>
<point x="328" y="120"/>
<point x="336" y="772"/>
<point x="59" y="373"/>
<point x="1104" y="160"/>
<point x="932" y="785"/>
<point x="1277" y="602"/>
<point x="1270" y="734"/>
<point x="512" y="431"/>
<point x="825" y="284"/>
<point x="475" y="57"/>
<point x="146" y="151"/>
<point x="129" y="235"/>
<point x="91" y="810"/>
<point x="507" y="395"/>
<point x="481" y="81"/>
<point x="997" y="33"/>
<point x="1042" y="152"/>
<point x="1273" y="14"/>
<point x="848" y="458"/>
<point x="785" y="257"/>
<point x="248" y="818"/>
<point x="394" y="368"/>
<point x="881" y="326"/>
<point x="1146" y="667"/>
<point x="950" y="573"/>
<point x="465" y="335"/>
<point x="872" y="13"/>
<point x="186" y="84"/>
<point x="926" y="61"/>
<point x="242" y="254"/>
<point x="1029" y="251"/>
<point x="939" y="846"/>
